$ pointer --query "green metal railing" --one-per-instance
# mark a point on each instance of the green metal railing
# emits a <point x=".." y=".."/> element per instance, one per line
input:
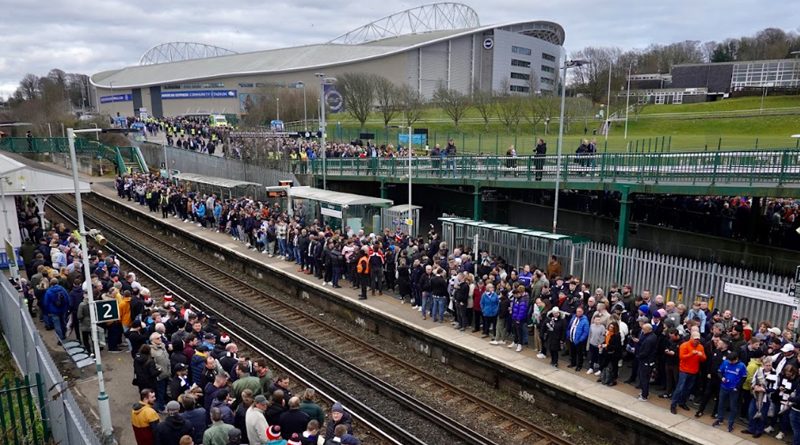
<point x="120" y="156"/>
<point x="740" y="167"/>
<point x="20" y="421"/>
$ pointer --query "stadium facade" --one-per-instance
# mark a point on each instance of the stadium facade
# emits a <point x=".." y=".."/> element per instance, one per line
<point x="425" y="47"/>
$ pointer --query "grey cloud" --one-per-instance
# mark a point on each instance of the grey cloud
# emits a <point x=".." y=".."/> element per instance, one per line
<point x="89" y="36"/>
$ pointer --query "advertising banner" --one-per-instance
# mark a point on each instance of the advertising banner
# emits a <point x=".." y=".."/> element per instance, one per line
<point x="200" y="94"/>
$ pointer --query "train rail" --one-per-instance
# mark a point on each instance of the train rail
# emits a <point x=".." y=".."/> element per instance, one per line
<point x="314" y="341"/>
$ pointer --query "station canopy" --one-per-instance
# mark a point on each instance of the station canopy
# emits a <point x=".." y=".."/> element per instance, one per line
<point x="21" y="179"/>
<point x="337" y="198"/>
<point x="213" y="181"/>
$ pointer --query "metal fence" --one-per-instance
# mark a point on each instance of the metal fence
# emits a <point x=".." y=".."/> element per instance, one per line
<point x="742" y="168"/>
<point x="605" y="264"/>
<point x="19" y="422"/>
<point x="64" y="417"/>
<point x="204" y="164"/>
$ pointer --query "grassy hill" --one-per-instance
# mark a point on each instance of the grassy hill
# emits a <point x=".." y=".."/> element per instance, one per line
<point x="651" y="130"/>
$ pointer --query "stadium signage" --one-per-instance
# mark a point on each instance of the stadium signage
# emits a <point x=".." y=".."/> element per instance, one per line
<point x="116" y="98"/>
<point x="200" y="94"/>
<point x="488" y="43"/>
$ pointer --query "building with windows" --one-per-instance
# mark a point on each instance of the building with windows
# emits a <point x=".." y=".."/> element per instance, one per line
<point x="702" y="82"/>
<point x="442" y="44"/>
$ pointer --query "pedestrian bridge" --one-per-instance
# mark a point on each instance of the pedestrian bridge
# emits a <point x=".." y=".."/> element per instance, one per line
<point x="752" y="173"/>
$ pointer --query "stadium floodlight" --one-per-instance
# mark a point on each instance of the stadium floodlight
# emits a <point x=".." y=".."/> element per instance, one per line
<point x="567" y="64"/>
<point x="323" y="80"/>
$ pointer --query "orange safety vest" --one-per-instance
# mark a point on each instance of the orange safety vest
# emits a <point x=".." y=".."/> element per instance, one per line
<point x="362" y="266"/>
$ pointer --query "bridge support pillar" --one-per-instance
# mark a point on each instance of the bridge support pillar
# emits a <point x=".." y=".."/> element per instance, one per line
<point x="384" y="190"/>
<point x="476" y="204"/>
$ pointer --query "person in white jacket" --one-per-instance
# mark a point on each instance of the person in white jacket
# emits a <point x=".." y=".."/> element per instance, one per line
<point x="256" y="423"/>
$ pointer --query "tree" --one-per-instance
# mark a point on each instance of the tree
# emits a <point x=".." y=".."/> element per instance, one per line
<point x="29" y="87"/>
<point x="388" y="97"/>
<point x="410" y="103"/>
<point x="509" y="109"/>
<point x="454" y="103"/>
<point x="548" y="107"/>
<point x="358" y="91"/>
<point x="484" y="102"/>
<point x="591" y="79"/>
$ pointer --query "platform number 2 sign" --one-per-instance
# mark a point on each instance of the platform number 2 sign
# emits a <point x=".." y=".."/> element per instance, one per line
<point x="107" y="310"/>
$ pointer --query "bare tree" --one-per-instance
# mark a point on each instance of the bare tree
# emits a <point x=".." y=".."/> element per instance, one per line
<point x="454" y="103"/>
<point x="29" y="87"/>
<point x="548" y="107"/>
<point x="410" y="103"/>
<point x="509" y="109"/>
<point x="358" y="91"/>
<point x="387" y="96"/>
<point x="484" y="102"/>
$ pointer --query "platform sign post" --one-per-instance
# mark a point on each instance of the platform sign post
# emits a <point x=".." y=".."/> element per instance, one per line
<point x="106" y="310"/>
<point x="475" y="262"/>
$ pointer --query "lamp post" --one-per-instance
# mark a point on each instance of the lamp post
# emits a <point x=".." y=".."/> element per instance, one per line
<point x="278" y="108"/>
<point x="567" y="64"/>
<point x="102" y="398"/>
<point x="300" y="84"/>
<point x="323" y="80"/>
<point x="410" y="170"/>
<point x="627" y="100"/>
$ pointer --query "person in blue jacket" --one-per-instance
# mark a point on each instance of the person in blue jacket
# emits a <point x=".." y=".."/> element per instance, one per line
<point x="732" y="373"/>
<point x="577" y="334"/>
<point x="56" y="304"/>
<point x="490" y="305"/>
<point x="519" y="312"/>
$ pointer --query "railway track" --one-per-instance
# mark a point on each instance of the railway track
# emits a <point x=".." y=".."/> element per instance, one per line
<point x="456" y="414"/>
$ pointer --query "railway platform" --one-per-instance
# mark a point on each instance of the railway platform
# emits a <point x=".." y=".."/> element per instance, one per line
<point x="620" y="400"/>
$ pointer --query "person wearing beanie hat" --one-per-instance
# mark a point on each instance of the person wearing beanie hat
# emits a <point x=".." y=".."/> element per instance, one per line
<point x="274" y="436"/>
<point x="644" y="310"/>
<point x="295" y="440"/>
<point x="338" y="417"/>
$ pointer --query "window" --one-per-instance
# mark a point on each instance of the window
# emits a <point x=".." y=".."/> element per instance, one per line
<point x="519" y="89"/>
<point x="548" y="57"/>
<point x="520" y="76"/>
<point x="547" y="81"/>
<point x="246" y="85"/>
<point x="659" y="98"/>
<point x="548" y="69"/>
<point x="677" y="97"/>
<point x="520" y="63"/>
<point x="521" y="50"/>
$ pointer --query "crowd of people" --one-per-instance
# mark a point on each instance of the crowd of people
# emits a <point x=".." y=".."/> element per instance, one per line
<point x="725" y="365"/>
<point x="195" y="386"/>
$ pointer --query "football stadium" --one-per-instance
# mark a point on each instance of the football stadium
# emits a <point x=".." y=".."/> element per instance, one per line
<point x="441" y="44"/>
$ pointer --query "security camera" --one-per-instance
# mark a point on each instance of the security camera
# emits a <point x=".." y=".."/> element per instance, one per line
<point x="24" y="187"/>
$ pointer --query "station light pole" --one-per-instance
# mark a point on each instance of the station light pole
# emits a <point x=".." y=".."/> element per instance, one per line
<point x="278" y="108"/>
<point x="300" y="84"/>
<point x="323" y="80"/>
<point x="107" y="430"/>
<point x="628" y="100"/>
<point x="410" y="220"/>
<point x="567" y="64"/>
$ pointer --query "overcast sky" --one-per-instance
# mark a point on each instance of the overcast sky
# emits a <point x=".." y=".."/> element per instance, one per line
<point x="87" y="36"/>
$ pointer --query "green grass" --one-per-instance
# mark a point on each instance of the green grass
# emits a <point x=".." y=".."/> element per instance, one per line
<point x="743" y="103"/>
<point x="678" y="134"/>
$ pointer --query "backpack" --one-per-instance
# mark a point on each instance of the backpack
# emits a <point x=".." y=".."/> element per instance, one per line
<point x="363" y="265"/>
<point x="61" y="301"/>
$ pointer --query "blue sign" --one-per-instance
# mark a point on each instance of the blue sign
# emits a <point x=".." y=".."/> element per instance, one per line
<point x="116" y="98"/>
<point x="200" y="94"/>
<point x="416" y="139"/>
<point x="4" y="259"/>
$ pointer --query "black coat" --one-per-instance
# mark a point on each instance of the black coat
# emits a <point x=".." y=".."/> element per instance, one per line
<point x="170" y="431"/>
<point x="293" y="421"/>
<point x="145" y="371"/>
<point x="554" y="332"/>
<point x="403" y="280"/>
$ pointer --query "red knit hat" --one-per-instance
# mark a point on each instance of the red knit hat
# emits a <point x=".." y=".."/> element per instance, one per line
<point x="295" y="440"/>
<point x="274" y="432"/>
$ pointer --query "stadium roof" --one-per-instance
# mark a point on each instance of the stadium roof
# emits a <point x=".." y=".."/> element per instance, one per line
<point x="301" y="58"/>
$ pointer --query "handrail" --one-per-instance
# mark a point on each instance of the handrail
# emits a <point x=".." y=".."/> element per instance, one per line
<point x="717" y="167"/>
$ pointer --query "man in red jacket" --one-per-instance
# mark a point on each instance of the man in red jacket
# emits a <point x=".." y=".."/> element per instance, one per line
<point x="690" y="355"/>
